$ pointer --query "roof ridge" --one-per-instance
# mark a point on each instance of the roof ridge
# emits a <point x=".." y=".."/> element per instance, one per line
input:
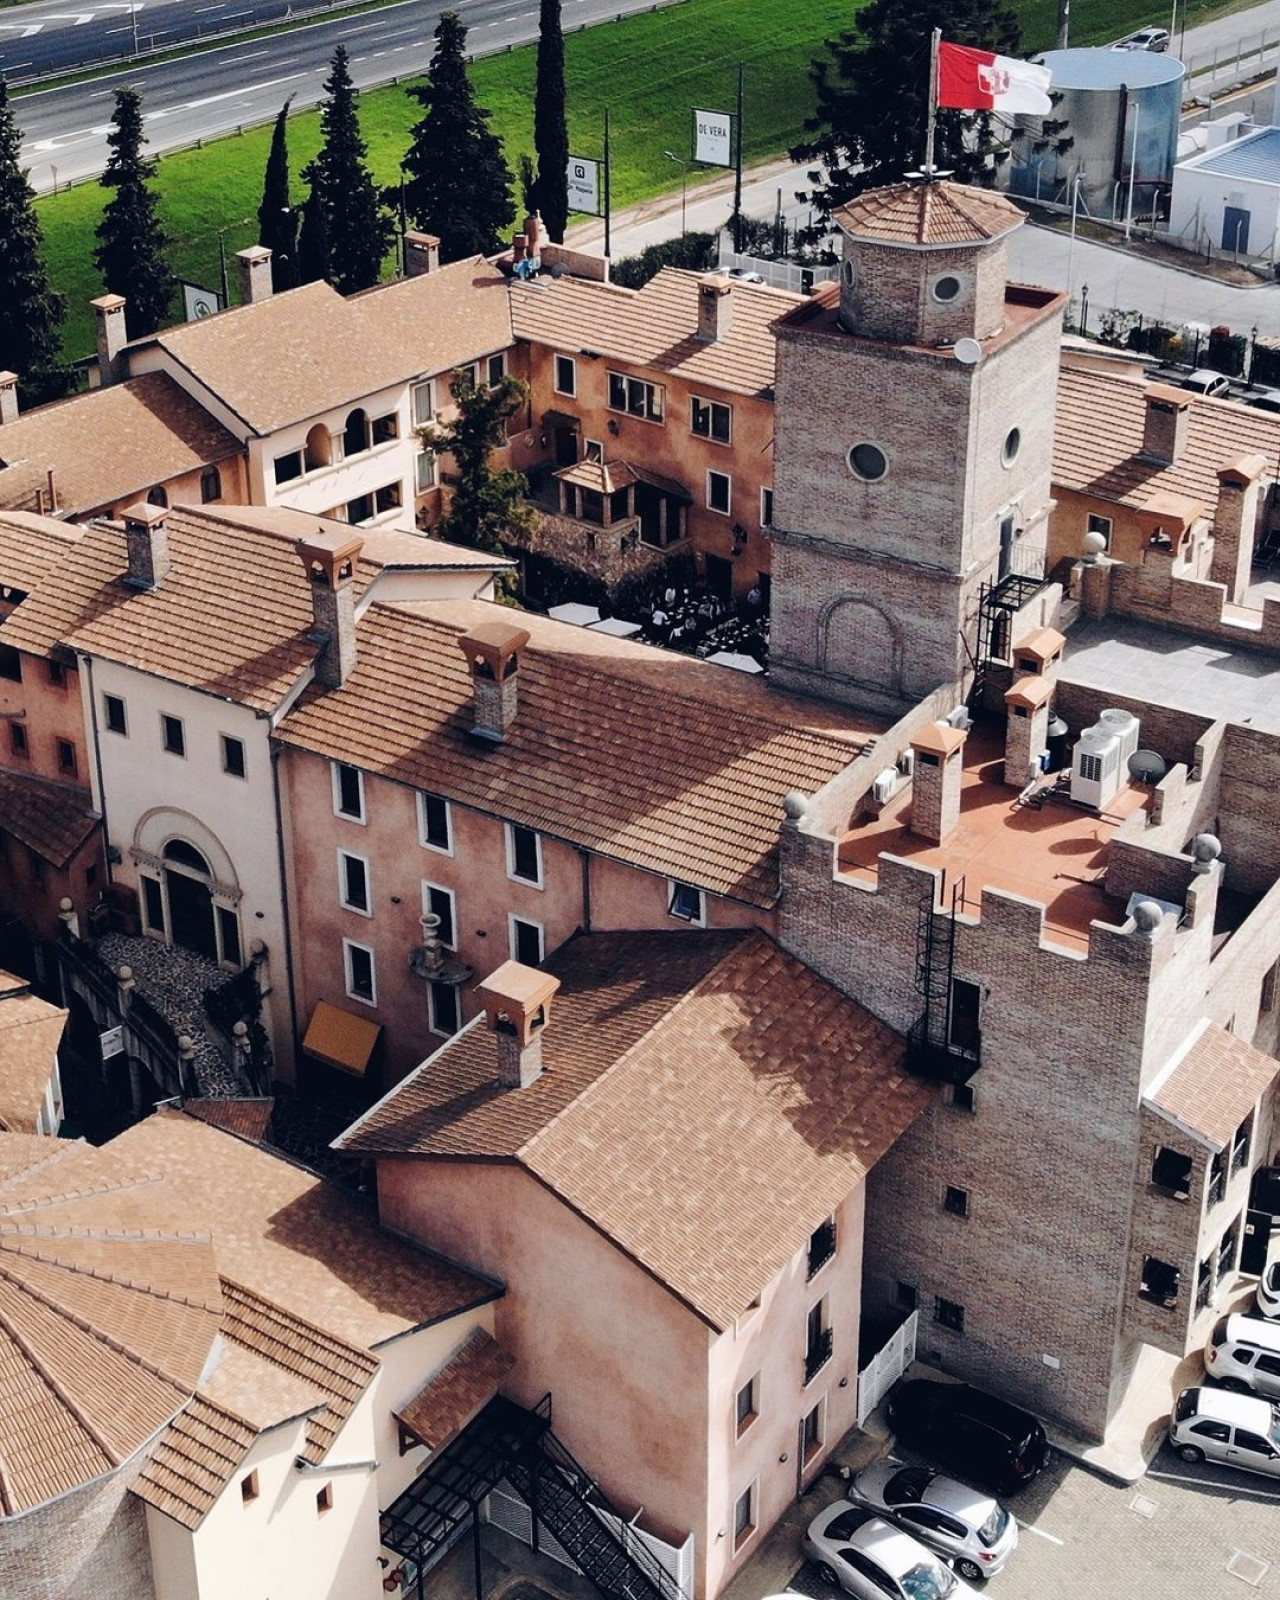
<point x="102" y="1186"/>
<point x="76" y="1268"/>
<point x="232" y="1289"/>
<point x="63" y="1395"/>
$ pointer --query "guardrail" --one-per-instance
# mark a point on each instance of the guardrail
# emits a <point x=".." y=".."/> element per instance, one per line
<point x="1213" y="72"/>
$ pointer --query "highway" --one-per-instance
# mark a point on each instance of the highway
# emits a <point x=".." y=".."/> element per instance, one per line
<point x="215" y="91"/>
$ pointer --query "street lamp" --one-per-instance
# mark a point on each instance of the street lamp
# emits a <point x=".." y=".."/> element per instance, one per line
<point x="684" y="185"/>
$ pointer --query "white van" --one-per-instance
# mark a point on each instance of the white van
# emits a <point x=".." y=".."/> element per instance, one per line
<point x="1243" y="1353"/>
<point x="1238" y="1429"/>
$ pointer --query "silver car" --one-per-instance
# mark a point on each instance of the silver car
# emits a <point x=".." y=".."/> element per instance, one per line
<point x="870" y="1558"/>
<point x="1240" y="1430"/>
<point x="964" y="1526"/>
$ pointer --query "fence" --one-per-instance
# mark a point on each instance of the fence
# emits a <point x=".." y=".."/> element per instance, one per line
<point x="779" y="274"/>
<point x="1215" y="71"/>
<point x="886" y="1367"/>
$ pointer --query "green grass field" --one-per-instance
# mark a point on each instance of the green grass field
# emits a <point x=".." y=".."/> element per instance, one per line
<point x="650" y="70"/>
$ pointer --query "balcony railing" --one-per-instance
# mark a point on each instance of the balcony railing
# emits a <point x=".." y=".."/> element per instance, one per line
<point x="938" y="1060"/>
<point x="822" y="1246"/>
<point x="817" y="1355"/>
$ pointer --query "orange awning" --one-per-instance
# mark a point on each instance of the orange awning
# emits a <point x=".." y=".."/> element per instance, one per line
<point x="341" y="1038"/>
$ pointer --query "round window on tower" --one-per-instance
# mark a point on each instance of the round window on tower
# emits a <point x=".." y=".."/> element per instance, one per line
<point x="1012" y="444"/>
<point x="946" y="289"/>
<point x="848" y="273"/>
<point x="867" y="461"/>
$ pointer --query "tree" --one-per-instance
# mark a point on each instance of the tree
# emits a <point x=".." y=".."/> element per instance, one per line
<point x="277" y="219"/>
<point x="348" y="212"/>
<point x="488" y="504"/>
<point x="550" y="129"/>
<point x="459" y="183"/>
<point x="132" y="245"/>
<point x="884" y="62"/>
<point x="313" y="236"/>
<point x="30" y="311"/>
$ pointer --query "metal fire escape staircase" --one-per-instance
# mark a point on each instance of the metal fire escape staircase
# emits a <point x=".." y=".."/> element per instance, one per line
<point x="997" y="604"/>
<point x="512" y="1443"/>
<point x="932" y="1049"/>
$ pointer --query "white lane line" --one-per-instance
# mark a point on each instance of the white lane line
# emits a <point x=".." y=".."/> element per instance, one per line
<point x="218" y="7"/>
<point x="1213" y="1483"/>
<point x="252" y="57"/>
<point x="1030" y="1527"/>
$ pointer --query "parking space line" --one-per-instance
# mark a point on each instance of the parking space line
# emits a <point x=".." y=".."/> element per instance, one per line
<point x="1030" y="1527"/>
<point x="1213" y="1483"/>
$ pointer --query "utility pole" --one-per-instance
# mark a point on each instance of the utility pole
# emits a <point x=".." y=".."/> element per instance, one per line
<point x="737" y="178"/>
<point x="608" y="196"/>
<point x="1064" y="22"/>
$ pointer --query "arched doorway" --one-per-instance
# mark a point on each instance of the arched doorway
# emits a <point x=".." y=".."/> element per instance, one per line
<point x="188" y="883"/>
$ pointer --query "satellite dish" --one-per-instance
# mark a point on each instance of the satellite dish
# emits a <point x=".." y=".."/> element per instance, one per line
<point x="1146" y="766"/>
<point x="968" y="352"/>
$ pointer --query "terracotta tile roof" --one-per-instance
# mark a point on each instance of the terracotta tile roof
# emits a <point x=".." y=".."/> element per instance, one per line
<point x="656" y="326"/>
<point x="194" y="1461"/>
<point x="447" y="1402"/>
<point x="1214" y="1085"/>
<point x="24" y="486"/>
<point x="1098" y="440"/>
<point x="247" y="1119"/>
<point x="308" y="351"/>
<point x="51" y="818"/>
<point x="32" y="548"/>
<point x="749" y="1097"/>
<point x="104" y="1332"/>
<point x="114" y="443"/>
<point x="639" y="754"/>
<point x="30" y="1033"/>
<point x="928" y="214"/>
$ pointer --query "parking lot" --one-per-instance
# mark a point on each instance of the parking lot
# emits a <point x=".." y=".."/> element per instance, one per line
<point x="1182" y="1533"/>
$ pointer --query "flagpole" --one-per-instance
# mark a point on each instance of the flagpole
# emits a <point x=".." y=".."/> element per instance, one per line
<point x="933" y="104"/>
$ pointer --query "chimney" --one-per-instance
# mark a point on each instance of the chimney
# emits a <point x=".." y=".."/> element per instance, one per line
<point x="421" y="253"/>
<point x="1026" y="729"/>
<point x="112" y="337"/>
<point x="536" y="235"/>
<point x="255" y="274"/>
<point x="330" y="563"/>
<point x="935" y="780"/>
<point x="1164" y="432"/>
<point x="493" y="655"/>
<point x="147" y="542"/>
<point x="1039" y="655"/>
<point x="517" y="1004"/>
<point x="8" y="397"/>
<point x="1234" y="522"/>
<point x="715" y="311"/>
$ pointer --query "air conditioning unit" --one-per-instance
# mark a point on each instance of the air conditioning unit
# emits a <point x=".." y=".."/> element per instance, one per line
<point x="907" y="762"/>
<point x="885" y="784"/>
<point x="959" y="718"/>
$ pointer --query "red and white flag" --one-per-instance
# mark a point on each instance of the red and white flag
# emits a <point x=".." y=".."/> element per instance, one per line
<point x="977" y="80"/>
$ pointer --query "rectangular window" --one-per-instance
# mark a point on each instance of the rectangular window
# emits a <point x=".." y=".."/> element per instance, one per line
<point x="956" y="1201"/>
<point x="467" y="373"/>
<point x="687" y="903"/>
<point x="353" y="882"/>
<point x="10" y="664"/>
<point x="948" y="1314"/>
<point x="566" y="375"/>
<point x="1227" y="1250"/>
<point x="822" y="1245"/>
<point x="748" y="1404"/>
<point x="435" y="823"/>
<point x="811" y="1432"/>
<point x="1100" y="525"/>
<point x="766" y="508"/>
<point x="152" y="906"/>
<point x="362" y="983"/>
<point x="1240" y="1144"/>
<point x="906" y="1295"/>
<point x="324" y="1499"/>
<point x="382" y="430"/>
<point x="962" y="1097"/>
<point x="526" y="942"/>
<point x="818" y="1341"/>
<point x="1171" y="1171"/>
<point x="497" y="369"/>
<point x="288" y="467"/>
<point x="1204" y="1284"/>
<point x="19" y="745"/>
<point x="524" y="855"/>
<point x="424" y="471"/>
<point x="249" y="1487"/>
<point x="438" y="902"/>
<point x="114" y="714"/>
<point x="388" y="498"/>
<point x="1217" y="1184"/>
<point x="66" y="757"/>
<point x="56" y="674"/>
<point x="442" y="999"/>
<point x="348" y="791"/>
<point x="719" y="492"/>
<point x="744" y="1516"/>
<point x="424" y="403"/>
<point x="233" y="763"/>
<point x="636" y="397"/>
<point x="173" y="736"/>
<point x="1267" y="1001"/>
<point x="711" y="420"/>
<point x="229" y="935"/>
<point x="360" y="509"/>
<point x="1160" y="1282"/>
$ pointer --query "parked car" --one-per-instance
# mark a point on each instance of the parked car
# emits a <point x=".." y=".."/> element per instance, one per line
<point x="1264" y="1190"/>
<point x="742" y="274"/>
<point x="1266" y="1299"/>
<point x="990" y="1439"/>
<point x="1266" y="400"/>
<point x="964" y="1526"/>
<point x="1204" y="380"/>
<point x="1156" y="39"/>
<point x="1241" y="1430"/>
<point x="1243" y="1353"/>
<point x="870" y="1558"/>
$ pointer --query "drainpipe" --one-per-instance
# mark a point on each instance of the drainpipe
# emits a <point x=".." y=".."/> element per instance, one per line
<point x="97" y="763"/>
<point x="282" y="861"/>
<point x="586" y="888"/>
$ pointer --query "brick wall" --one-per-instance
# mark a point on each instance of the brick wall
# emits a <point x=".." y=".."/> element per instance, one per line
<point x="88" y="1545"/>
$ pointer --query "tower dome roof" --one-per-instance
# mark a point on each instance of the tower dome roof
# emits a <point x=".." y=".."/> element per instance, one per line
<point x="928" y="215"/>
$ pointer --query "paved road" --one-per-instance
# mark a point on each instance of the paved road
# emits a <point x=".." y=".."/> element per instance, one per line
<point x="218" y="90"/>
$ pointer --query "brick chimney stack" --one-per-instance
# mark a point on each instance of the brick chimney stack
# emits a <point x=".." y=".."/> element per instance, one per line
<point x="421" y="253"/>
<point x="517" y="1006"/>
<point x="330" y="563"/>
<point x="108" y="310"/>
<point x="493" y="655"/>
<point x="8" y="397"/>
<point x="935" y="781"/>
<point x="1164" y="431"/>
<point x="1234" y="522"/>
<point x="255" y="274"/>
<point x="146" y="538"/>
<point x="1026" y="729"/>
<point x="715" y="311"/>
<point x="1039" y="655"/>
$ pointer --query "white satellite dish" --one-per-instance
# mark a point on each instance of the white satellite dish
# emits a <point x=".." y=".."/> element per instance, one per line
<point x="968" y="351"/>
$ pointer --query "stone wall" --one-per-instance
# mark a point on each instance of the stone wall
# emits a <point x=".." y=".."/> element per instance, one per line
<point x="87" y="1545"/>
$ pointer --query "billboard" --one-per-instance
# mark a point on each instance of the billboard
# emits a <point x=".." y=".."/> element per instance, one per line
<point x="200" y="302"/>
<point x="713" y="138"/>
<point x="584" y="185"/>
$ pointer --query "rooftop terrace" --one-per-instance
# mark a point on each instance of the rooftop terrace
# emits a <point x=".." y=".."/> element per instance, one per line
<point x="1055" y="855"/>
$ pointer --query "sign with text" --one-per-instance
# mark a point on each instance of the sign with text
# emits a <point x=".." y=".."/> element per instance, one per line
<point x="200" y="302"/>
<point x="112" y="1042"/>
<point x="713" y="138"/>
<point x="584" y="185"/>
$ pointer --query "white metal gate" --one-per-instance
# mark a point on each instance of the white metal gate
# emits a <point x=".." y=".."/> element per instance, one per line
<point x="886" y="1367"/>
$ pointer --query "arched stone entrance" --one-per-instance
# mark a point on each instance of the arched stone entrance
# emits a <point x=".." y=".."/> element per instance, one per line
<point x="190" y="891"/>
<point x="188" y="882"/>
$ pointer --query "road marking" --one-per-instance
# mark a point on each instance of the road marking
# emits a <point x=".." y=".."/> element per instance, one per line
<point x="23" y="32"/>
<point x="1213" y="1483"/>
<point x="253" y="57"/>
<point x="218" y="7"/>
<point x="1030" y="1527"/>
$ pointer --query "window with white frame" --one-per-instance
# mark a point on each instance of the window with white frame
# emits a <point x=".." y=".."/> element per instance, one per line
<point x="442" y="1003"/>
<point x="710" y="419"/>
<point x="636" y="397"/>
<point x="526" y="942"/>
<point x="566" y="381"/>
<point x="424" y="471"/>
<point x="719" y="492"/>
<point x="348" y="791"/>
<point x="353" y="882"/>
<point x="362" y="980"/>
<point x="524" y="855"/>
<point x="438" y="901"/>
<point x="766" y="508"/>
<point x="1100" y="525"/>
<point x="687" y="903"/>
<point x="435" y="822"/>
<point x="496" y="368"/>
<point x="424" y="402"/>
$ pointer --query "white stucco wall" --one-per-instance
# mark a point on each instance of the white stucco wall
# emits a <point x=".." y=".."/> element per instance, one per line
<point x="1200" y="198"/>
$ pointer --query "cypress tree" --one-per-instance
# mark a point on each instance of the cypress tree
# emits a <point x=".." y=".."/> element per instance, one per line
<point x="277" y="220"/>
<point x="313" y="235"/>
<point x="131" y="242"/>
<point x="550" y="129"/>
<point x="30" y="311"/>
<point x="459" y="183"/>
<point x="358" y="228"/>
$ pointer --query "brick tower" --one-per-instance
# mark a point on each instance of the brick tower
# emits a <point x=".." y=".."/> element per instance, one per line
<point x="914" y="436"/>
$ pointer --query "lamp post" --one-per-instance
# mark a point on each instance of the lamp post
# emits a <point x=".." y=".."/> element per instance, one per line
<point x="684" y="186"/>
